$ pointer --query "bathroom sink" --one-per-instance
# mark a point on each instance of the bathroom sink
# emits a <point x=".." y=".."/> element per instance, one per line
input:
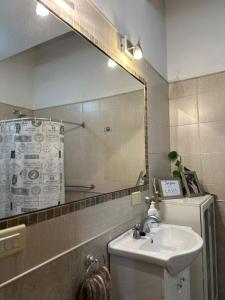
<point x="169" y="246"/>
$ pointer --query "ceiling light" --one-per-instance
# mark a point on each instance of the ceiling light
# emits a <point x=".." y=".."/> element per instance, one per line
<point x="130" y="49"/>
<point x="41" y="10"/>
<point x="111" y="63"/>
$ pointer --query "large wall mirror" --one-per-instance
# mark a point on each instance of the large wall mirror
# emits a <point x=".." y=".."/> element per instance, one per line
<point x="71" y="121"/>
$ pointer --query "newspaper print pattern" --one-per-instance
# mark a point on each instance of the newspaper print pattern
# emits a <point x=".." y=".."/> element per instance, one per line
<point x="31" y="166"/>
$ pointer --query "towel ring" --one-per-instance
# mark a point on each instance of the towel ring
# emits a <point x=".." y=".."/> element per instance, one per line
<point x="92" y="263"/>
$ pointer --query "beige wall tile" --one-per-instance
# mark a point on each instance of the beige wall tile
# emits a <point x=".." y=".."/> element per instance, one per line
<point x="211" y="83"/>
<point x="91" y="106"/>
<point x="106" y="159"/>
<point x="93" y="123"/>
<point x="68" y="112"/>
<point x="183" y="111"/>
<point x="158" y="165"/>
<point x="211" y="106"/>
<point x="158" y="105"/>
<point x="212" y="137"/>
<point x="159" y="138"/>
<point x="193" y="162"/>
<point x="114" y="102"/>
<point x="218" y="190"/>
<point x="185" y="139"/>
<point x="183" y="88"/>
<point x="62" y="278"/>
<point x="213" y="166"/>
<point x="54" y="236"/>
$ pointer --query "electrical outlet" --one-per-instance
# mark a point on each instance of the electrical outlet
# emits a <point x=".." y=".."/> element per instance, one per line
<point x="136" y="198"/>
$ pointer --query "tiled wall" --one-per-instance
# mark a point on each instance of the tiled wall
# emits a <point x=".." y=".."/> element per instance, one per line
<point x="109" y="160"/>
<point x="72" y="232"/>
<point x="60" y="279"/>
<point x="197" y="128"/>
<point x="158" y="127"/>
<point x="197" y="120"/>
<point x="66" y="233"/>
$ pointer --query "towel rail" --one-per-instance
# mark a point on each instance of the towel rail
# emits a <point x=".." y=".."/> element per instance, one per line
<point x="88" y="187"/>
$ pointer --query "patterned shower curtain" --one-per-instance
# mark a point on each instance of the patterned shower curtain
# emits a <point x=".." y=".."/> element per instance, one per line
<point x="31" y="165"/>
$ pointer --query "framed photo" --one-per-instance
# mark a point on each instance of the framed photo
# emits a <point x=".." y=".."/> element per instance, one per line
<point x="170" y="188"/>
<point x="191" y="184"/>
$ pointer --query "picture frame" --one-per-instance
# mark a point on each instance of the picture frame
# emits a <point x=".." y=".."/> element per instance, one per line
<point x="170" y="188"/>
<point x="191" y="184"/>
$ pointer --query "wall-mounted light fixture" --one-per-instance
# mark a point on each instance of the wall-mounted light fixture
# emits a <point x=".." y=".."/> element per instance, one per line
<point x="134" y="51"/>
<point x="41" y="10"/>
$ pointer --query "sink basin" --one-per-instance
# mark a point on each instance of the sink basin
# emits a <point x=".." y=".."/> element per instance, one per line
<point x="169" y="246"/>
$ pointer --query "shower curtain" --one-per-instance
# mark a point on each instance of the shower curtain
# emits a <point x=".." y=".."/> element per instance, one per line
<point x="31" y="165"/>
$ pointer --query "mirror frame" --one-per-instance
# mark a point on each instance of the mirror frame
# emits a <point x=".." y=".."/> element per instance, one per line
<point x="41" y="215"/>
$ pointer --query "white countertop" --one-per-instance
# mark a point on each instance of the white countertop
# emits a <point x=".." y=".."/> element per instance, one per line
<point x="193" y="201"/>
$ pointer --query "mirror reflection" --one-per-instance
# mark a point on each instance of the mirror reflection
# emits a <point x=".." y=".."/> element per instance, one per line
<point x="71" y="120"/>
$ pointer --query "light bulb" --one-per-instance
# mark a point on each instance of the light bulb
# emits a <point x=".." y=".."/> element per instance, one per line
<point x="111" y="63"/>
<point x="137" y="53"/>
<point x="41" y="10"/>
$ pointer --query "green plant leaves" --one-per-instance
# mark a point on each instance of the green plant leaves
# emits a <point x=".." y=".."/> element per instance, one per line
<point x="177" y="163"/>
<point x="172" y="155"/>
<point x="176" y="173"/>
<point x="176" y="159"/>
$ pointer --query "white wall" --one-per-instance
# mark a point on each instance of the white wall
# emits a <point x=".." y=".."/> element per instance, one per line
<point x="21" y="28"/>
<point x="195" y="37"/>
<point x="16" y="79"/>
<point x="70" y="70"/>
<point x="144" y="18"/>
<point x="61" y="71"/>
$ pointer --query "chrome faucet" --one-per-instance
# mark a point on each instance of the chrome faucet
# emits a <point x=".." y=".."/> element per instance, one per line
<point x="137" y="231"/>
<point x="147" y="223"/>
<point x="140" y="231"/>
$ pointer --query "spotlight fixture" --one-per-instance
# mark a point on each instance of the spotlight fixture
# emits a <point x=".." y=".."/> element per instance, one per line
<point x="111" y="63"/>
<point x="134" y="51"/>
<point x="137" y="51"/>
<point x="41" y="10"/>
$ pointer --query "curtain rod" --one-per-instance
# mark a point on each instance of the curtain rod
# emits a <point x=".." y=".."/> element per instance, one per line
<point x="43" y="119"/>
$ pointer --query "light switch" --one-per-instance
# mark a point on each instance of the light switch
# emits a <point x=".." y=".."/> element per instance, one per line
<point x="12" y="240"/>
<point x="136" y="198"/>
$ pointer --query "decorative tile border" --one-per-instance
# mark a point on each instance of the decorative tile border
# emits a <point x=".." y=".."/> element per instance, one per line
<point x="56" y="211"/>
<point x="146" y="131"/>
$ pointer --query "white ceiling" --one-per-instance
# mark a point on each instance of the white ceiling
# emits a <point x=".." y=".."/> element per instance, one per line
<point x="21" y="29"/>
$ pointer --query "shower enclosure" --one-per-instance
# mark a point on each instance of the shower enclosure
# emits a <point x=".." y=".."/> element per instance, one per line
<point x="31" y="165"/>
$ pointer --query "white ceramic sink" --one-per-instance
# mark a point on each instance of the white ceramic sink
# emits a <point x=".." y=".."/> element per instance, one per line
<point x="169" y="246"/>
